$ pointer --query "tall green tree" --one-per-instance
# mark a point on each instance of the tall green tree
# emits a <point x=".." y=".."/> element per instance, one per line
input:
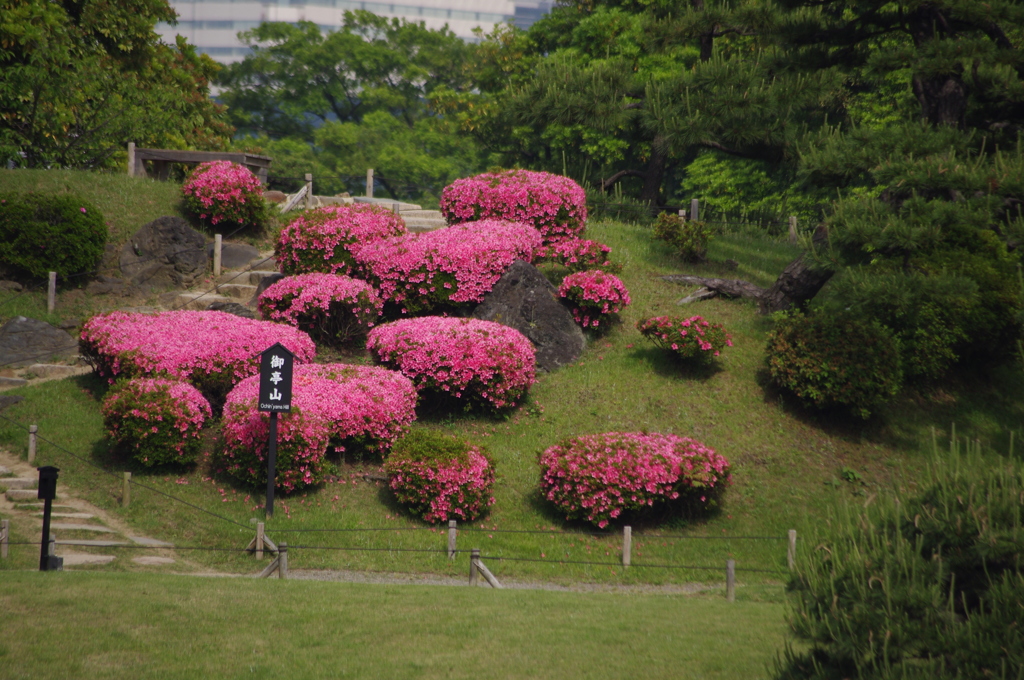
<point x="78" y="80"/>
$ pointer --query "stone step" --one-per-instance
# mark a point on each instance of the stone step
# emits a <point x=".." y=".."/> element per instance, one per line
<point x="91" y="544"/>
<point x="199" y="300"/>
<point x="82" y="527"/>
<point x="152" y="560"/>
<point x="56" y="370"/>
<point x="85" y="559"/>
<point x="258" y="275"/>
<point x="238" y="291"/>
<point x="6" y="382"/>
<point x="387" y="203"/>
<point x="151" y="542"/>
<point x="18" y="482"/>
<point x="15" y="495"/>
<point x="267" y="262"/>
<point x="42" y="504"/>
<point x="420" y="226"/>
<point x="428" y="214"/>
<point x="69" y="515"/>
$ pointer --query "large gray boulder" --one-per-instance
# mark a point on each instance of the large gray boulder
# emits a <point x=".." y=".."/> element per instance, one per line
<point x="166" y="252"/>
<point x="525" y="300"/>
<point x="24" y="342"/>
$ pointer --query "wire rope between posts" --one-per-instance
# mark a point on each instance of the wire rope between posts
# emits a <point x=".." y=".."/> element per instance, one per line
<point x="115" y="475"/>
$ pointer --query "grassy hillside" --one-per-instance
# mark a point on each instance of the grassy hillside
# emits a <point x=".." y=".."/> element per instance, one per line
<point x="789" y="465"/>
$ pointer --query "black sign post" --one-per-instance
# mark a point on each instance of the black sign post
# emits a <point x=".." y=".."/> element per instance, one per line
<point x="275" y="397"/>
<point x="47" y="492"/>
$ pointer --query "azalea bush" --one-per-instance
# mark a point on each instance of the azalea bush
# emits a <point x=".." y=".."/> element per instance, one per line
<point x="334" y="310"/>
<point x="599" y="477"/>
<point x="336" y="408"/>
<point x="555" y="205"/>
<point x="158" y="421"/>
<point x="324" y="239"/>
<point x="445" y="267"/>
<point x="222" y="191"/>
<point x="439" y="477"/>
<point x="689" y="238"/>
<point x="579" y="254"/>
<point x="210" y="350"/>
<point x="472" y="361"/>
<point x="593" y="295"/>
<point x="691" y="338"/>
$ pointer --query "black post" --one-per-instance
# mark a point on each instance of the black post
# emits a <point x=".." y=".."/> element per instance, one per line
<point x="271" y="464"/>
<point x="47" y="492"/>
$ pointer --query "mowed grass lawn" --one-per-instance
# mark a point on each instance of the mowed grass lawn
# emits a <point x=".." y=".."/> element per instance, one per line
<point x="95" y="625"/>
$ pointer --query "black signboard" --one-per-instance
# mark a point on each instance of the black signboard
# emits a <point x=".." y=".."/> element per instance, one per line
<point x="276" y="379"/>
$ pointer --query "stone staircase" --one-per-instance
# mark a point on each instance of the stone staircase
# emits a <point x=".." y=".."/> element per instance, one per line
<point x="80" y="530"/>
<point x="233" y="285"/>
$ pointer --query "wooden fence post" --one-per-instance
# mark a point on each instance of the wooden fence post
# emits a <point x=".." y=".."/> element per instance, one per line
<point x="474" y="558"/>
<point x="369" y="182"/>
<point x="395" y="208"/>
<point x="694" y="209"/>
<point x="791" y="550"/>
<point x="51" y="293"/>
<point x="792" y="229"/>
<point x="218" y="244"/>
<point x="282" y="565"/>
<point x="131" y="159"/>
<point x="260" y="531"/>
<point x="627" y="545"/>
<point x="730" y="580"/>
<point x="32" y="430"/>
<point x="5" y="537"/>
<point x="452" y="531"/>
<point x="126" y="490"/>
<point x="682" y="215"/>
<point x="309" y="191"/>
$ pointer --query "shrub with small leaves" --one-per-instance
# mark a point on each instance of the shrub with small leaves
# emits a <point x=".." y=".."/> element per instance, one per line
<point x="40" y="233"/>
<point x="334" y="310"/>
<point x="439" y="477"/>
<point x="689" y="238"/>
<point x="692" y="338"/>
<point x="593" y="295"/>
<point x="835" y="360"/>
<point x="599" y="477"/>
<point x="222" y="191"/>
<point x="325" y="239"/>
<point x="158" y="421"/>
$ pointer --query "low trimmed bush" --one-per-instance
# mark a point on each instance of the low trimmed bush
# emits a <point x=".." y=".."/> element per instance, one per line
<point x="579" y="255"/>
<point x="599" y="477"/>
<point x="835" y="360"/>
<point x="324" y="239"/>
<point x="473" y="361"/>
<point x="335" y="407"/>
<point x="688" y="238"/>
<point x="334" y="310"/>
<point x="439" y="477"/>
<point x="593" y="295"/>
<point x="159" y="421"/>
<point x="210" y="350"/>
<point x="42" y="233"/>
<point x="222" y="191"/>
<point x="692" y="338"/>
<point x="555" y="205"/>
<point x="447" y="267"/>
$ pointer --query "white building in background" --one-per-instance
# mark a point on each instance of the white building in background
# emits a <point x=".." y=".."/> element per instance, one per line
<point x="213" y="25"/>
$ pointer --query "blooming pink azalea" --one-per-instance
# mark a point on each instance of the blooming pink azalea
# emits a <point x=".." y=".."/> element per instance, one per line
<point x="440" y="490"/>
<point x="692" y="338"/>
<point x="593" y="295"/>
<point x="333" y="309"/>
<point x="223" y="191"/>
<point x="325" y="239"/>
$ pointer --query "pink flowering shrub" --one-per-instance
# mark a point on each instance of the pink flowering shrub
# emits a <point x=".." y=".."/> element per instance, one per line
<point x="579" y="255"/>
<point x="224" y="192"/>
<point x="555" y="205"/>
<point x="334" y="310"/>
<point x="593" y="295"/>
<point x="474" y="361"/>
<point x="692" y="338"/>
<point x="323" y="239"/>
<point x="211" y="350"/>
<point x="452" y="266"/>
<point x="159" y="421"/>
<point x="439" y="477"/>
<point x="599" y="477"/>
<point x="335" y="407"/>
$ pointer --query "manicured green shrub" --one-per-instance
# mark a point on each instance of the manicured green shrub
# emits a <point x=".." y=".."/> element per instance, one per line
<point x="835" y="360"/>
<point x="439" y="477"/>
<point x="688" y="238"/>
<point x="41" y="233"/>
<point x="920" y="584"/>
